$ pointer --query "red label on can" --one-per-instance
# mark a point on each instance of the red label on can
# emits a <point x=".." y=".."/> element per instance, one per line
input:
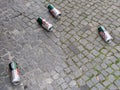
<point x="45" y="23"/>
<point x="17" y="71"/>
<point x="52" y="12"/>
<point x="102" y="34"/>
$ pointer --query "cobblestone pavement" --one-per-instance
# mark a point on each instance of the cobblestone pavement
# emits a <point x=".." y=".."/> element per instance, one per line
<point x="72" y="57"/>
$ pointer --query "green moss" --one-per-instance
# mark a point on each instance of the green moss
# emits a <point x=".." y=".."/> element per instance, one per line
<point x="117" y="61"/>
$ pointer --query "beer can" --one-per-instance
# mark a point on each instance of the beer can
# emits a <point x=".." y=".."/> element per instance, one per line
<point x="15" y="77"/>
<point x="46" y="25"/>
<point x="55" y="12"/>
<point x="104" y="34"/>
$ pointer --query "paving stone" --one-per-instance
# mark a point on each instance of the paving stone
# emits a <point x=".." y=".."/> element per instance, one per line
<point x="73" y="68"/>
<point x="64" y="86"/>
<point x="106" y="83"/>
<point x="67" y="79"/>
<point x="75" y="59"/>
<point x="104" y="51"/>
<point x="56" y="76"/>
<point x="72" y="83"/>
<point x="49" y="87"/>
<point x="90" y="56"/>
<point x="67" y="70"/>
<point x="76" y="33"/>
<point x="104" y="72"/>
<point x="77" y="73"/>
<point x="94" y="88"/>
<point x="104" y="65"/>
<point x="89" y="46"/>
<point x="95" y="80"/>
<point x="2" y="69"/>
<point x="3" y="52"/>
<point x="117" y="73"/>
<point x="100" y="86"/>
<point x="101" y="77"/>
<point x="112" y="87"/>
<point x="109" y="70"/>
<point x="85" y="87"/>
<point x="90" y="84"/>
<point x="94" y="52"/>
<point x="111" y="78"/>
<point x="117" y="83"/>
<point x="60" y="81"/>
<point x="81" y="82"/>
<point x="74" y="49"/>
<point x="89" y="65"/>
<point x="85" y="60"/>
<point x="115" y="67"/>
<point x="80" y="56"/>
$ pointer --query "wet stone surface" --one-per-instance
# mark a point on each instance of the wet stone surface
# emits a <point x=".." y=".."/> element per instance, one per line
<point x="71" y="57"/>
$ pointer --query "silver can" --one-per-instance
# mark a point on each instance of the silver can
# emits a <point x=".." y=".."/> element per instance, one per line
<point x="104" y="34"/>
<point x="46" y="25"/>
<point x="15" y="77"/>
<point x="55" y="12"/>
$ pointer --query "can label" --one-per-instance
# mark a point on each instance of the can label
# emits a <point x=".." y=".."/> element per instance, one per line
<point x="55" y="12"/>
<point x="15" y="76"/>
<point x="15" y="73"/>
<point x="104" y="34"/>
<point x="46" y="25"/>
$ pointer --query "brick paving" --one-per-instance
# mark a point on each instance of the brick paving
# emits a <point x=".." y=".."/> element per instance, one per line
<point x="72" y="57"/>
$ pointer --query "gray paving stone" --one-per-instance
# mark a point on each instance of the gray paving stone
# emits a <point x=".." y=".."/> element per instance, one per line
<point x="72" y="83"/>
<point x="90" y="84"/>
<point x="34" y="48"/>
<point x="113" y="87"/>
<point x="109" y="70"/>
<point x="94" y="88"/>
<point x="104" y="72"/>
<point x="117" y="73"/>
<point x="3" y="52"/>
<point x="94" y="80"/>
<point x="100" y="86"/>
<point x="101" y="77"/>
<point x="64" y="86"/>
<point x="103" y="65"/>
<point x="85" y="87"/>
<point x="67" y="70"/>
<point x="94" y="52"/>
<point x="2" y="69"/>
<point x="77" y="73"/>
<point x="111" y="78"/>
<point x="74" y="49"/>
<point x="106" y="83"/>
<point x="115" y="67"/>
<point x="75" y="59"/>
<point x="117" y="83"/>
<point x="90" y="56"/>
<point x="49" y="87"/>
<point x="60" y="81"/>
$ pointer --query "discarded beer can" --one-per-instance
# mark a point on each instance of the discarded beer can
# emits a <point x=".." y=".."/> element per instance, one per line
<point x="15" y="73"/>
<point x="45" y="24"/>
<point x="55" y="12"/>
<point x="104" y="34"/>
